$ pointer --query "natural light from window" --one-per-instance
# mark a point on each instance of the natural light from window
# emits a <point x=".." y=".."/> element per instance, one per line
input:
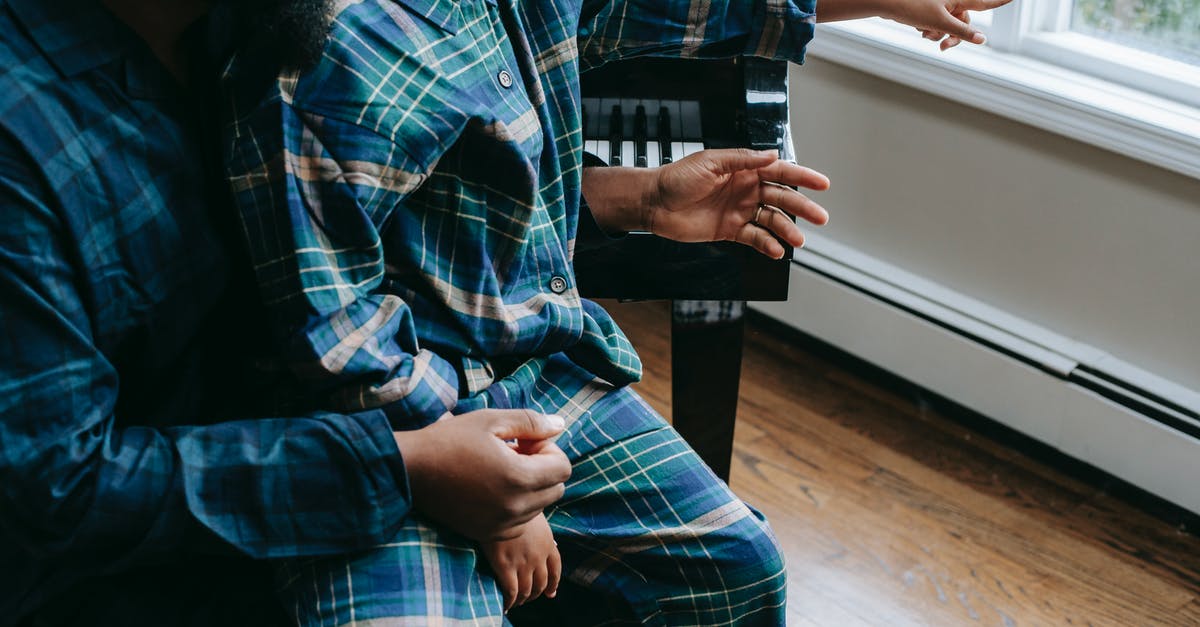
<point x="1119" y="74"/>
<point x="1170" y="28"/>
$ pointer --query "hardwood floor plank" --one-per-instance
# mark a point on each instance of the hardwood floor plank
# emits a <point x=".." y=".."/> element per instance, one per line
<point x="890" y="513"/>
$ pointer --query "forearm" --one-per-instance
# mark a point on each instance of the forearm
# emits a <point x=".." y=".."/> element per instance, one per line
<point x="621" y="199"/>
<point x="265" y="488"/>
<point x="295" y="486"/>
<point x="776" y="29"/>
<point x="940" y="17"/>
<point x="841" y="10"/>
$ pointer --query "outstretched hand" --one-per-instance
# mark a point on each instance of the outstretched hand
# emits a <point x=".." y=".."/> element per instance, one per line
<point x="944" y="21"/>
<point x="737" y="195"/>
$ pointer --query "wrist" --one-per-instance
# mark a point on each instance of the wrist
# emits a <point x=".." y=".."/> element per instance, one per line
<point x="652" y="198"/>
<point x="883" y="8"/>
<point x="841" y="10"/>
<point x="887" y="9"/>
<point x="622" y="199"/>
<point x="412" y="453"/>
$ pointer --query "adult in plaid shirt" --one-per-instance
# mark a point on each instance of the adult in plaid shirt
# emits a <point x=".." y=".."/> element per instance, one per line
<point x="132" y="484"/>
<point x="411" y="202"/>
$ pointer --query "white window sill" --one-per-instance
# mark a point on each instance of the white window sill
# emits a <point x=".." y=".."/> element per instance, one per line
<point x="1127" y="121"/>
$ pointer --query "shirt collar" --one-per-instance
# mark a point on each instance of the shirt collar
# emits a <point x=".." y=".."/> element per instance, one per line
<point x="75" y="35"/>
<point x="444" y="14"/>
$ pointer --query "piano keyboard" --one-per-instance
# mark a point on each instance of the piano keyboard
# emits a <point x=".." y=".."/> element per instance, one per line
<point x="646" y="112"/>
<point x="642" y="133"/>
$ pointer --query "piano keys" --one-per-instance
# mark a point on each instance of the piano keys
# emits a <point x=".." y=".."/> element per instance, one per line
<point x="632" y="140"/>
<point x="650" y="112"/>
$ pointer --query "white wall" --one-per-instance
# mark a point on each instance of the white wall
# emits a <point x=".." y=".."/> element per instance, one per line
<point x="1089" y="244"/>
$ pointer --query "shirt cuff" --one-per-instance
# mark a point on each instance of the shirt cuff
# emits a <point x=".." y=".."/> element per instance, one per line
<point x="433" y="395"/>
<point x="588" y="234"/>
<point x="783" y="30"/>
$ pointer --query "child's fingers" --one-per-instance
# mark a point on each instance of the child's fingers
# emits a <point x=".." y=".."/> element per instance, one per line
<point x="953" y="41"/>
<point x="952" y="25"/>
<point x="507" y="582"/>
<point x="554" y="573"/>
<point x="540" y="576"/>
<point x="525" y="583"/>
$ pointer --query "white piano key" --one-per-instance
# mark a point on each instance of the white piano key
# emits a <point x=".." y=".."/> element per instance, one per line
<point x="690" y="148"/>
<point x="602" y="150"/>
<point x="628" y="153"/>
<point x="677" y="151"/>
<point x="653" y="159"/>
<point x="590" y="147"/>
<point x="690" y="110"/>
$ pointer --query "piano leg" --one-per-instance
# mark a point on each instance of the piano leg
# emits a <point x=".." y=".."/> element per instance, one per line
<point x="706" y="363"/>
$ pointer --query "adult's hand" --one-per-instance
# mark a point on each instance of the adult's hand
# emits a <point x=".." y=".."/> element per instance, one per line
<point x="735" y="194"/>
<point x="934" y="18"/>
<point x="941" y="17"/>
<point x="464" y="474"/>
<point x="946" y="42"/>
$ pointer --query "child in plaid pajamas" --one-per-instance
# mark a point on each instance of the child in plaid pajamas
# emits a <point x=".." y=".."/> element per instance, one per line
<point x="411" y="203"/>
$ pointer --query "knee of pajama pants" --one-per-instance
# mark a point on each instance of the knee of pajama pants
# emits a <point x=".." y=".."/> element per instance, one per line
<point x="761" y="575"/>
<point x="752" y="584"/>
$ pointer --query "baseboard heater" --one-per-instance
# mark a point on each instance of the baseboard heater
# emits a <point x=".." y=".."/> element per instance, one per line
<point x="1109" y="413"/>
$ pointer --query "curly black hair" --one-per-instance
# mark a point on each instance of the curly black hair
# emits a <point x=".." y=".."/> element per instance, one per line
<point x="295" y="30"/>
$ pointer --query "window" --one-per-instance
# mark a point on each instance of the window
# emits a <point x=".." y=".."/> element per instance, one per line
<point x="1119" y="74"/>
<point x="1150" y="45"/>
<point x="1170" y="28"/>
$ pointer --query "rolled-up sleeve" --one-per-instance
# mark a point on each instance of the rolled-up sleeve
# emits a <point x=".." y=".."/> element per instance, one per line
<point x="771" y="29"/>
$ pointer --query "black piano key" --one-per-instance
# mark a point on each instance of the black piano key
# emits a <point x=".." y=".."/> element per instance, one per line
<point x="616" y="132"/>
<point x="583" y="119"/>
<point x="690" y="122"/>
<point x="640" y="135"/>
<point x="664" y="135"/>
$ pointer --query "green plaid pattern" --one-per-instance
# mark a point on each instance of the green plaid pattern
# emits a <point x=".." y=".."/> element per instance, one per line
<point x="410" y="205"/>
<point x="647" y="533"/>
<point x="411" y="202"/>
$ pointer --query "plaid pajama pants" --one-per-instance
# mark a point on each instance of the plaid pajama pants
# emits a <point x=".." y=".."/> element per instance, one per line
<point x="647" y="534"/>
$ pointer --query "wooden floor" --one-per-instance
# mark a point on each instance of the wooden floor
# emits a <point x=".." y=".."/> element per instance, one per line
<point x="891" y="514"/>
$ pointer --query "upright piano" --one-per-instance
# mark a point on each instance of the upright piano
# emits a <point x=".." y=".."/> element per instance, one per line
<point x="648" y="112"/>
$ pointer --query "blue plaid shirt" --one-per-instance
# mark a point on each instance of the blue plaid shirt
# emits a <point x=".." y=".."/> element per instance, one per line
<point x="411" y="202"/>
<point x="123" y="325"/>
<point x="118" y="344"/>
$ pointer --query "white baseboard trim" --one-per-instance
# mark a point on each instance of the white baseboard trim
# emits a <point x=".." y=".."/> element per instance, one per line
<point x="1030" y="399"/>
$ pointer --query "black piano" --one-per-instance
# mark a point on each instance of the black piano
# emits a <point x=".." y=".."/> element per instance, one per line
<point x="648" y="112"/>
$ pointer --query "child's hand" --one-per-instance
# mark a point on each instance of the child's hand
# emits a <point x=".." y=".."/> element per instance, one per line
<point x="526" y="566"/>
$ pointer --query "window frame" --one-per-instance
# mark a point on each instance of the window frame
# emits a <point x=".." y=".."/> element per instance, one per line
<point x="1041" y="29"/>
<point x="1019" y="76"/>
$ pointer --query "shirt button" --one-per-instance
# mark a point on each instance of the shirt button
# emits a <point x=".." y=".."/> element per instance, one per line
<point x="558" y="285"/>
<point x="505" y="79"/>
